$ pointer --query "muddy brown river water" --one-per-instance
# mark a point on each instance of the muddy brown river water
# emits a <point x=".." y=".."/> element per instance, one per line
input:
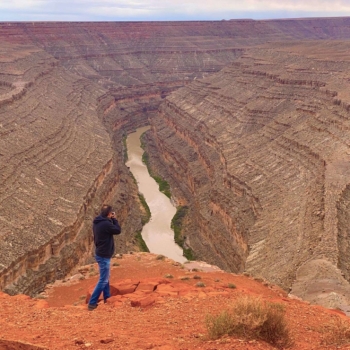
<point x="157" y="234"/>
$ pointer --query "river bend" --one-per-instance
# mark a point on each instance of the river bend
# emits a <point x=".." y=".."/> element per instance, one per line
<point x="157" y="233"/>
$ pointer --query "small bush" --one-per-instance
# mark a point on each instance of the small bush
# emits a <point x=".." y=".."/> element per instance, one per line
<point x="177" y="223"/>
<point x="189" y="254"/>
<point x="160" y="257"/>
<point x="232" y="285"/>
<point x="337" y="332"/>
<point x="185" y="278"/>
<point x="200" y="284"/>
<point x="196" y="277"/>
<point x="147" y="216"/>
<point x="140" y="242"/>
<point x="116" y="264"/>
<point x="163" y="185"/>
<point x="220" y="325"/>
<point x="252" y="318"/>
<point x="169" y="276"/>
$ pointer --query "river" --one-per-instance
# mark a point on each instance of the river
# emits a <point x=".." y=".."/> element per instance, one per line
<point x="157" y="233"/>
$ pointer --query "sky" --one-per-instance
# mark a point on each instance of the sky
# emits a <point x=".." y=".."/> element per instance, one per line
<point x="167" y="10"/>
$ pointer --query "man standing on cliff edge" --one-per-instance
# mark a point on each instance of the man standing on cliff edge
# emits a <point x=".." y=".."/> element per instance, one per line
<point x="105" y="226"/>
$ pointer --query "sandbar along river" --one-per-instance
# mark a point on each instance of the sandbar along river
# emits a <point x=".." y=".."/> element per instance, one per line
<point x="157" y="233"/>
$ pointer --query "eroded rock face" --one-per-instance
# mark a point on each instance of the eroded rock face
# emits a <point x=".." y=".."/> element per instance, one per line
<point x="57" y="167"/>
<point x="70" y="92"/>
<point x="260" y="153"/>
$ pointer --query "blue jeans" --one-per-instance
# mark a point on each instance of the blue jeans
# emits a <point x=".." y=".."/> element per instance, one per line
<point x="102" y="285"/>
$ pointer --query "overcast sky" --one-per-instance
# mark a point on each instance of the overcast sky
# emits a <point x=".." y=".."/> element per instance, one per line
<point x="148" y="10"/>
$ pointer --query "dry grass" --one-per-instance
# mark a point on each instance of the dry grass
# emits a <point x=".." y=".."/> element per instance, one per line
<point x="252" y="318"/>
<point x="337" y="332"/>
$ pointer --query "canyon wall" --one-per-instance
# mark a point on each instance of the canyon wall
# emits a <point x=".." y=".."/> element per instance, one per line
<point x="57" y="167"/>
<point x="70" y="92"/>
<point x="260" y="153"/>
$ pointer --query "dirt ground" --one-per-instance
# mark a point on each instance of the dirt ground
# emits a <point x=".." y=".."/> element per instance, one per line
<point x="168" y="311"/>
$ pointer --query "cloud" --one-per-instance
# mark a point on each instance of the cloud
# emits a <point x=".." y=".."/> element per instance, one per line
<point x="115" y="10"/>
<point x="301" y="5"/>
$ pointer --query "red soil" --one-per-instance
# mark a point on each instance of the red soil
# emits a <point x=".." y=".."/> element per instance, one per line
<point x="173" y="319"/>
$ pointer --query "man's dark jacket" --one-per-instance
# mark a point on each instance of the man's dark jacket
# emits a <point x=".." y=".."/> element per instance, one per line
<point x="104" y="229"/>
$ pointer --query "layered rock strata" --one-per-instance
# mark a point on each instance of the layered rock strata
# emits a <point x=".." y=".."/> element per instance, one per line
<point x="68" y="97"/>
<point x="70" y="92"/>
<point x="260" y="154"/>
<point x="57" y="167"/>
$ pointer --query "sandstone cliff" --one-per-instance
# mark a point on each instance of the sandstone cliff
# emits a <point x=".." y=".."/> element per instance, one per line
<point x="57" y="166"/>
<point x="260" y="154"/>
<point x="70" y="92"/>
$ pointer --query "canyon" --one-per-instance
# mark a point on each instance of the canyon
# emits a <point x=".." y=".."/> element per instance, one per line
<point x="249" y="125"/>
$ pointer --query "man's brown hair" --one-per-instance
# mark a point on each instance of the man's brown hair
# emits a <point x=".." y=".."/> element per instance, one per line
<point x="106" y="209"/>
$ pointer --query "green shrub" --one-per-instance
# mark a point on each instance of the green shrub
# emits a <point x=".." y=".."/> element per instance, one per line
<point x="140" y="242"/>
<point x="176" y="225"/>
<point x="145" y="159"/>
<point x="188" y="254"/>
<point x="163" y="185"/>
<point x="232" y="285"/>
<point x="147" y="217"/>
<point x="252" y="318"/>
<point x="219" y="325"/>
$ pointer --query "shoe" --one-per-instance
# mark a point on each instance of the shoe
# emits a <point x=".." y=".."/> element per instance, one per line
<point x="92" y="307"/>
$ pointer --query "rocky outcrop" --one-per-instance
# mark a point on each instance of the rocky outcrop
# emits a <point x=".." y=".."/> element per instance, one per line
<point x="259" y="152"/>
